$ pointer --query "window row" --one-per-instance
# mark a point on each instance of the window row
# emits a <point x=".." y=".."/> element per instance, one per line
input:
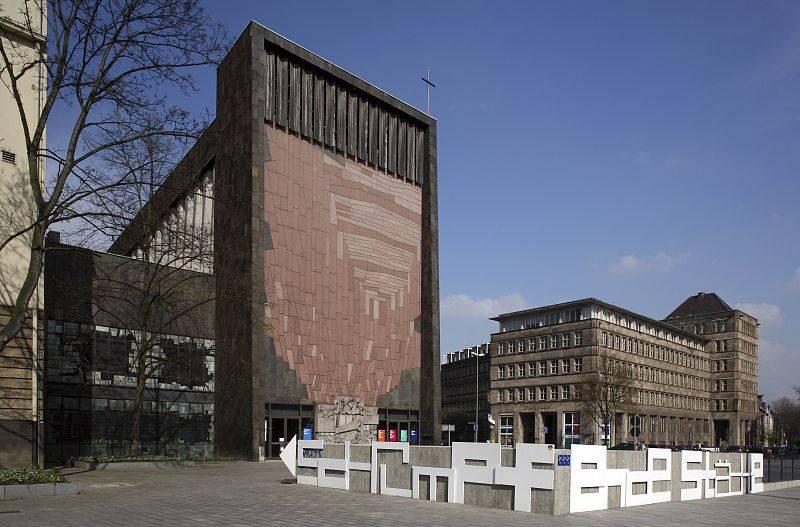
<point x="558" y="392"/>
<point x="450" y="372"/>
<point x="671" y="400"/>
<point x="646" y="327"/>
<point x="670" y="378"/>
<point x="541" y="343"/>
<point x="701" y="328"/>
<point x="653" y="351"/>
<point x="540" y="368"/>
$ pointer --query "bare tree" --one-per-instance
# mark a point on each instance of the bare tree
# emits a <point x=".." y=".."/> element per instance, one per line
<point x="166" y="289"/>
<point x="609" y="392"/>
<point x="787" y="420"/>
<point x="108" y="66"/>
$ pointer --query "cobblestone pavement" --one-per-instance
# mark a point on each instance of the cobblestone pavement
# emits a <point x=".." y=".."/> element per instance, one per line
<point x="239" y="494"/>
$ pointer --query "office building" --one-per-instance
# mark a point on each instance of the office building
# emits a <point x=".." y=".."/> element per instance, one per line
<point x="542" y="357"/>
<point x="465" y="384"/>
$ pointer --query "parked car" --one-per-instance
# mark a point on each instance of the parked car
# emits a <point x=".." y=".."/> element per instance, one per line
<point x="628" y="446"/>
<point x="740" y="449"/>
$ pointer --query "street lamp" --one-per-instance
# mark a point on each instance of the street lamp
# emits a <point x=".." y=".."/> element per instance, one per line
<point x="478" y="354"/>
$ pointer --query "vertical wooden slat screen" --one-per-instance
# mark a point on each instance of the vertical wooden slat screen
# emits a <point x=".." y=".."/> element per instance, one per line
<point x="319" y="107"/>
<point x="420" y="164"/>
<point x="312" y="104"/>
<point x="330" y="114"/>
<point x="363" y="125"/>
<point x="281" y="91"/>
<point x="295" y="88"/>
<point x="402" y="136"/>
<point x="391" y="154"/>
<point x="373" y="134"/>
<point x="269" y="81"/>
<point x="308" y="102"/>
<point x="341" y="119"/>
<point x="382" y="139"/>
<point x="352" y="124"/>
<point x="411" y="158"/>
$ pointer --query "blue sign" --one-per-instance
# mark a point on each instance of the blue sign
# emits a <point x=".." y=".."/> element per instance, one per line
<point x="563" y="460"/>
<point x="307" y="433"/>
<point x="413" y="436"/>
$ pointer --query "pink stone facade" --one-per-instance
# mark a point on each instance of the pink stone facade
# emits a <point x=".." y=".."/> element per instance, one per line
<point x="342" y="277"/>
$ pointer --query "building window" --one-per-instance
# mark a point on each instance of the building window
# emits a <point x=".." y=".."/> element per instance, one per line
<point x="9" y="157"/>
<point x="510" y="395"/>
<point x="553" y="393"/>
<point x="501" y="348"/>
<point x="553" y="341"/>
<point x="507" y="430"/>
<point x="565" y="366"/>
<point x="542" y="343"/>
<point x="553" y="367"/>
<point x="500" y="372"/>
<point x="541" y="366"/>
<point x="520" y="395"/>
<point x="531" y="344"/>
<point x="616" y="342"/>
<point x="572" y="428"/>
<point x="577" y="338"/>
<point x="520" y="370"/>
<point x="531" y="369"/>
<point x="510" y="371"/>
<point x="531" y="394"/>
<point x="520" y="346"/>
<point x="542" y="393"/>
<point x="577" y="365"/>
<point x="565" y="340"/>
<point x="499" y="396"/>
<point x="720" y="326"/>
<point x="605" y="339"/>
<point x="565" y="391"/>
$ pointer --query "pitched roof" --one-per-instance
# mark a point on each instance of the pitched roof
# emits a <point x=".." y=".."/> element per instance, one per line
<point x="700" y="304"/>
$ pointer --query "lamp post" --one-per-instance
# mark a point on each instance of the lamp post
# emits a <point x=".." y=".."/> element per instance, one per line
<point x="478" y="354"/>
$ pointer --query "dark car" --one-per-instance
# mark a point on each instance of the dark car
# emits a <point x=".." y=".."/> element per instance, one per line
<point x="628" y="446"/>
<point x="735" y="449"/>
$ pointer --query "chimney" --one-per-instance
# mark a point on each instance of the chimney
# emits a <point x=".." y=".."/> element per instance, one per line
<point x="53" y="237"/>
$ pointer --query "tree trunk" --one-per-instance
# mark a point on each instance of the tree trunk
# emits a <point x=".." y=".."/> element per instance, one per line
<point x="135" y="445"/>
<point x="19" y="311"/>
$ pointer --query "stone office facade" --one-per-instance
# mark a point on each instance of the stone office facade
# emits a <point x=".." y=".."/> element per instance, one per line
<point x="326" y="251"/>
<point x="541" y="357"/>
<point x="465" y="384"/>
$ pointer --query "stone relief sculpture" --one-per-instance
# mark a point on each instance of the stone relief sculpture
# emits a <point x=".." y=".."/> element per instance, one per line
<point x="347" y="419"/>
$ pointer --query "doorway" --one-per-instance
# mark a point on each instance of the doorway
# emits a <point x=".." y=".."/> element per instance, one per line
<point x="721" y="432"/>
<point x="528" y="420"/>
<point x="282" y="423"/>
<point x="550" y="427"/>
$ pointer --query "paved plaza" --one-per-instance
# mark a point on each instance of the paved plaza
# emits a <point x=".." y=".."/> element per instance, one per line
<point x="240" y="494"/>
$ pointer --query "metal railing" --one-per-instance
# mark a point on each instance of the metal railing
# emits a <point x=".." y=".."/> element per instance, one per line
<point x="781" y="468"/>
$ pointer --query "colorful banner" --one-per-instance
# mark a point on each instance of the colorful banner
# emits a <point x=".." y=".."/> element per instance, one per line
<point x="381" y="435"/>
<point x="393" y="435"/>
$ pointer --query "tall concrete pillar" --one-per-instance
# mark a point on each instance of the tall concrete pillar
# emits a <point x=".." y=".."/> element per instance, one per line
<point x="560" y="430"/>
<point x="538" y="424"/>
<point x="735" y="432"/>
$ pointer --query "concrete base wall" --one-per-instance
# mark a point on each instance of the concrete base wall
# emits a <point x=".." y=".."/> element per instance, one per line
<point x="778" y="485"/>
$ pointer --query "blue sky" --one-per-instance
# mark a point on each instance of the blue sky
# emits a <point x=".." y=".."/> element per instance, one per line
<point x="638" y="152"/>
